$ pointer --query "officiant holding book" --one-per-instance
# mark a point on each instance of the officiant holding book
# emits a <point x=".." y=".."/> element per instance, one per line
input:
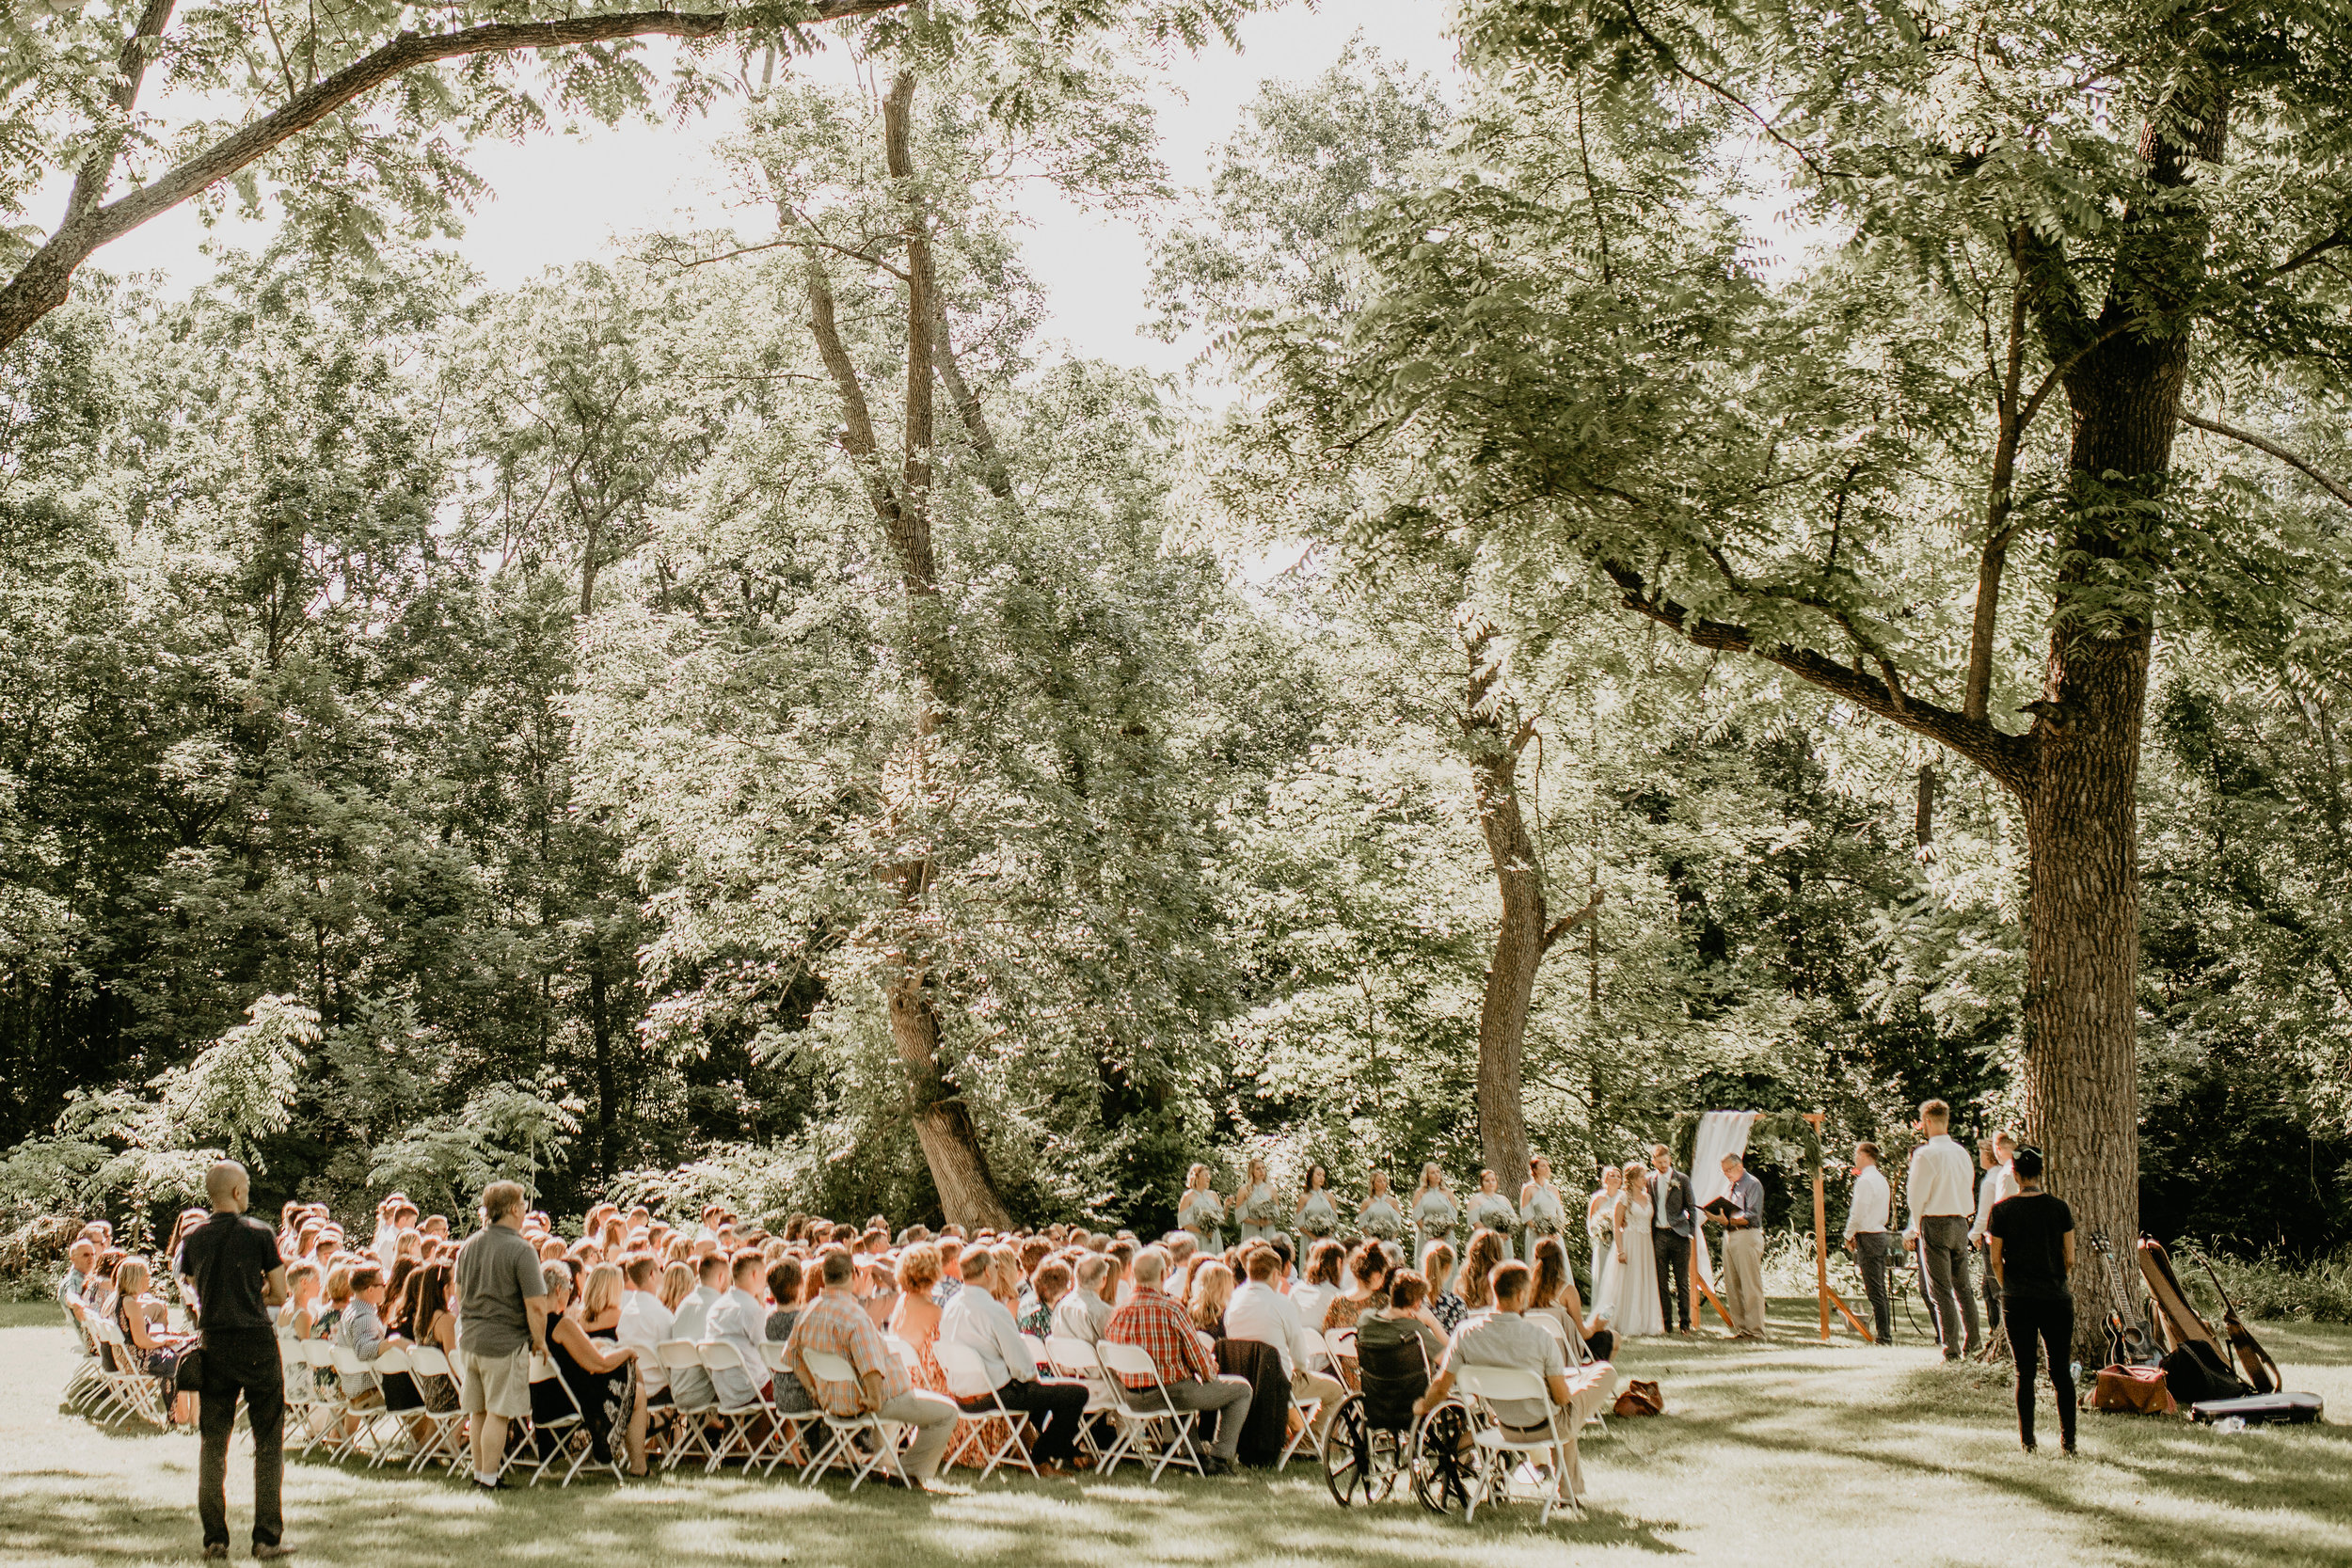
<point x="1741" y="1212"/>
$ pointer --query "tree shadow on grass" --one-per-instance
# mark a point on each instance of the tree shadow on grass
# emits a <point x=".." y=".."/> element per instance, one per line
<point x="344" y="1512"/>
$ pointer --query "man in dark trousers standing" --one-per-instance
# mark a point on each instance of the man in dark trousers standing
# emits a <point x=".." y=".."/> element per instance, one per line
<point x="1672" y="1225"/>
<point x="239" y="1278"/>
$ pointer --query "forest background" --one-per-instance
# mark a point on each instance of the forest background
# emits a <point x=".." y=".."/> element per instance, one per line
<point x="569" y="730"/>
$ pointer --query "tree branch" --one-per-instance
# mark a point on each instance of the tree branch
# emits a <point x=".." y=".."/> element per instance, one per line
<point x="90" y="183"/>
<point x="2335" y="487"/>
<point x="2008" y="758"/>
<point x="915" y="482"/>
<point x="857" y="436"/>
<point x="1567" y="923"/>
<point x="41" y="285"/>
<point x="968" y="408"/>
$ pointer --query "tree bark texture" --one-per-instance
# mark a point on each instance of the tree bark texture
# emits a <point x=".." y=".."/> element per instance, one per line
<point x="942" y="1122"/>
<point x="1524" y="936"/>
<point x="2124" y="373"/>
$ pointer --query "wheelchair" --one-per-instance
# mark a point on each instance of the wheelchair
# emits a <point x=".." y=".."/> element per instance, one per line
<point x="1375" y="1440"/>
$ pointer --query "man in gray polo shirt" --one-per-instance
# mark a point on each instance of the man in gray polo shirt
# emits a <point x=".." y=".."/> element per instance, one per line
<point x="1504" y="1337"/>
<point x="501" y="1322"/>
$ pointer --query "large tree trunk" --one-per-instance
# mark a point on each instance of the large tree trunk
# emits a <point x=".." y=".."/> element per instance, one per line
<point x="951" y="1145"/>
<point x="1511" y="977"/>
<point x="1524" y="935"/>
<point x="2124" y="373"/>
<point x="2082" y="1095"/>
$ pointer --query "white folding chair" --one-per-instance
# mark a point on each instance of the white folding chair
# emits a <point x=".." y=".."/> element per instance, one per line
<point x="1318" y="1358"/>
<point x="369" y="1414"/>
<point x="294" y="1368"/>
<point x="791" y="1425"/>
<point x="693" y="1416"/>
<point x="968" y="1383"/>
<point x="1074" y="1357"/>
<point x="1143" y="1412"/>
<point x="1037" y="1350"/>
<point x="87" y="1383"/>
<point x="430" y="1366"/>
<point x="842" y="1432"/>
<point x="1498" y="1454"/>
<point x="391" y="1359"/>
<point x="137" y="1392"/>
<point x="563" y="1433"/>
<point x="1574" y="1351"/>
<point x="735" y="1421"/>
<point x="329" y="1401"/>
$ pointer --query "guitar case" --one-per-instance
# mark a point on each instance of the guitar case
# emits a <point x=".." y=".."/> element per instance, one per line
<point x="2261" y="1409"/>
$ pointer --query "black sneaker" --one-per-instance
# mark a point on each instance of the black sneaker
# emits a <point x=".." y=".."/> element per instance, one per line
<point x="216" y="1551"/>
<point x="273" y="1551"/>
<point x="498" y="1485"/>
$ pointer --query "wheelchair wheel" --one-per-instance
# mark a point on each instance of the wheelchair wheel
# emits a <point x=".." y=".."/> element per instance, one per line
<point x="1347" y="1457"/>
<point x="1442" y="1461"/>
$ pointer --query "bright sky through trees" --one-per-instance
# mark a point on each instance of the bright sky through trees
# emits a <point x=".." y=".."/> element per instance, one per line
<point x="560" y="199"/>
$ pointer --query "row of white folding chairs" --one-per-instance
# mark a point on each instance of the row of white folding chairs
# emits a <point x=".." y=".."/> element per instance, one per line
<point x="89" y="1387"/>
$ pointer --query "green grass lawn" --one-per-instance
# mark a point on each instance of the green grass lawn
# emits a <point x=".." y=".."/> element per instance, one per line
<point x="1792" y="1452"/>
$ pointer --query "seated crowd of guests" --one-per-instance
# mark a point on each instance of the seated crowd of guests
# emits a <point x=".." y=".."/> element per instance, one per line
<point x="631" y="1282"/>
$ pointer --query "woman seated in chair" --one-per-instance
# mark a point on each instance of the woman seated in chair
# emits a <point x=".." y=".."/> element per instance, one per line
<point x="601" y="1378"/>
<point x="1555" y="1296"/>
<point x="157" y="1349"/>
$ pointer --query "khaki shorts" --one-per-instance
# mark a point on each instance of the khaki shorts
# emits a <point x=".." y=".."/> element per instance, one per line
<point x="497" y="1384"/>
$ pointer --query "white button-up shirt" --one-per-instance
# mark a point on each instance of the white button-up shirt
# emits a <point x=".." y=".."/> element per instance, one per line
<point x="2000" y="1182"/>
<point x="1262" y="1313"/>
<point x="1873" y="1202"/>
<point x="693" y="1314"/>
<point x="1942" y="1180"/>
<point x="980" y="1323"/>
<point x="645" y="1323"/>
<point x="740" y="1320"/>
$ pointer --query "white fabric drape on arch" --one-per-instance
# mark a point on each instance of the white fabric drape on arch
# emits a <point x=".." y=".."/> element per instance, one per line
<point x="1721" y="1133"/>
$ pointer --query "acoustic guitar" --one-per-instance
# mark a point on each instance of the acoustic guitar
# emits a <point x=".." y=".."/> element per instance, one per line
<point x="2129" y="1342"/>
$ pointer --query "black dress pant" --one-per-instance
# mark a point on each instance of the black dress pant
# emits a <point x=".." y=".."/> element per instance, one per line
<point x="242" y="1362"/>
<point x="1053" y="1405"/>
<point x="2035" y="1323"/>
<point x="1875" y="1251"/>
<point x="1673" y="1278"/>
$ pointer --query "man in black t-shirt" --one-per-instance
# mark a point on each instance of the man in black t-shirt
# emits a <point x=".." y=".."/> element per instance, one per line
<point x="2031" y="1236"/>
<point x="239" y="1278"/>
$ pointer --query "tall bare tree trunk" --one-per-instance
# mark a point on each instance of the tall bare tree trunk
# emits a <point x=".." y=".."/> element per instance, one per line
<point x="1524" y="936"/>
<point x="942" y="1122"/>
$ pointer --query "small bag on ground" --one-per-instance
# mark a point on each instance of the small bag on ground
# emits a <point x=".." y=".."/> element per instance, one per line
<point x="1641" y="1398"/>
<point x="2139" y="1389"/>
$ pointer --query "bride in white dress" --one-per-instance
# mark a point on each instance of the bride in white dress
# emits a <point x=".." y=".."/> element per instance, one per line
<point x="1627" y="1295"/>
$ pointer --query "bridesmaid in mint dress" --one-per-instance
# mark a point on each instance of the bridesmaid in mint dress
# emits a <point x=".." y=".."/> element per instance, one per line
<point x="1202" y="1212"/>
<point x="1434" y="1213"/>
<point x="1542" y="1209"/>
<point x="1317" y="1216"/>
<point x="1255" y="1207"/>
<point x="1491" y="1210"/>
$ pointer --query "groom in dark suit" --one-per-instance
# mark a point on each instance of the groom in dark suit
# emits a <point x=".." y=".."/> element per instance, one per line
<point x="1673" y="1225"/>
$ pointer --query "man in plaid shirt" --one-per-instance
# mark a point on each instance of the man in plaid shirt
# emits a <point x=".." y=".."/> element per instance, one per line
<point x="1155" y="1322"/>
<point x="840" y="1326"/>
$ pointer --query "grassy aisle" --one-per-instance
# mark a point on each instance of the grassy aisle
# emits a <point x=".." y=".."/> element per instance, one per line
<point x="1788" y="1453"/>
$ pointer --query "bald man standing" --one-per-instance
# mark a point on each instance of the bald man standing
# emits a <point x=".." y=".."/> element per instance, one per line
<point x="239" y="1278"/>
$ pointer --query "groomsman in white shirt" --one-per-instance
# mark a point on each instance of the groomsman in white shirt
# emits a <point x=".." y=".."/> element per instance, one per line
<point x="1999" y="1181"/>
<point x="1941" y="1187"/>
<point x="1866" y="1215"/>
